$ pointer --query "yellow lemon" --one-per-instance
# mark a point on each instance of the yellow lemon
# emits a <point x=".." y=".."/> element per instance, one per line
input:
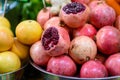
<point x="28" y="31"/>
<point x="20" y="49"/>
<point x="6" y="40"/>
<point x="9" y="62"/>
<point x="7" y="30"/>
<point x="4" y="22"/>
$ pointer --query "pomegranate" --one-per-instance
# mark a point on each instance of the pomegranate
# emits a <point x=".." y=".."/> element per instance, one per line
<point x="82" y="1"/>
<point x="102" y="15"/>
<point x="43" y="15"/>
<point x="94" y="3"/>
<point x="113" y="64"/>
<point x="55" y="40"/>
<point x="62" y="65"/>
<point x="108" y="40"/>
<point x="93" y="69"/>
<point x="55" y="21"/>
<point x="38" y="55"/>
<point x="74" y="14"/>
<point x="117" y="23"/>
<point x="82" y="48"/>
<point x="86" y="30"/>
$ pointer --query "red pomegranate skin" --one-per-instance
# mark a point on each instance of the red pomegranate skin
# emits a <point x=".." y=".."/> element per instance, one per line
<point x="113" y="64"/>
<point x="55" y="21"/>
<point x="62" y="65"/>
<point x="117" y="23"/>
<point x="87" y="30"/>
<point x="38" y="55"/>
<point x="63" y="42"/>
<point x="75" y="20"/>
<point x="94" y="3"/>
<point x="93" y="69"/>
<point x="82" y="49"/>
<point x="102" y="15"/>
<point x="82" y="1"/>
<point x="43" y="15"/>
<point x="108" y="40"/>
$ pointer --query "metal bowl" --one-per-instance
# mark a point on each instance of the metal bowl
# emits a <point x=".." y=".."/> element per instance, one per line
<point x="50" y="76"/>
<point x="14" y="75"/>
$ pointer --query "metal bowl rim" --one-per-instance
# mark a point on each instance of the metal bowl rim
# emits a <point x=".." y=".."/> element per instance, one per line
<point x="15" y="70"/>
<point x="77" y="78"/>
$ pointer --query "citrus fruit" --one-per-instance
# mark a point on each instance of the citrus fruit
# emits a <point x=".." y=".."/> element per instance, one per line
<point x="20" y="49"/>
<point x="6" y="40"/>
<point x="4" y="22"/>
<point x="9" y="61"/>
<point x="28" y="31"/>
<point x="7" y="30"/>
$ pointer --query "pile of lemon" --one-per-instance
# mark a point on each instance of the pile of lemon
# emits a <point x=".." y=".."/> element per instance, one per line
<point x="14" y="50"/>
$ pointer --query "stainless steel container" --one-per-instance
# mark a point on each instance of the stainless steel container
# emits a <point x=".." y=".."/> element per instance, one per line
<point x="50" y="76"/>
<point x="15" y="75"/>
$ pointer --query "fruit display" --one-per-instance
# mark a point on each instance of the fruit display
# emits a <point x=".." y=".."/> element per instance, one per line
<point x="74" y="15"/>
<point x="29" y="28"/>
<point x="82" y="49"/>
<point x="69" y="38"/>
<point x="111" y="62"/>
<point x="102" y="14"/>
<point x="95" y="68"/>
<point x="80" y="40"/>
<point x="37" y="52"/>
<point x="4" y="22"/>
<point x="44" y="15"/>
<point x="87" y="30"/>
<point x="64" y="65"/>
<point x="10" y="61"/>
<point x="105" y="40"/>
<point x="13" y="54"/>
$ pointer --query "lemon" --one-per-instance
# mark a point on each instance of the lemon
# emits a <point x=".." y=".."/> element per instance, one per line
<point x="9" y="62"/>
<point x="4" y="22"/>
<point x="7" y="30"/>
<point x="28" y="31"/>
<point x="20" y="49"/>
<point x="6" y="40"/>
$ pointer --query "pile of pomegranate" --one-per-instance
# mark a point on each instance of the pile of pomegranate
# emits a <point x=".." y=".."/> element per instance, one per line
<point x="82" y="40"/>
